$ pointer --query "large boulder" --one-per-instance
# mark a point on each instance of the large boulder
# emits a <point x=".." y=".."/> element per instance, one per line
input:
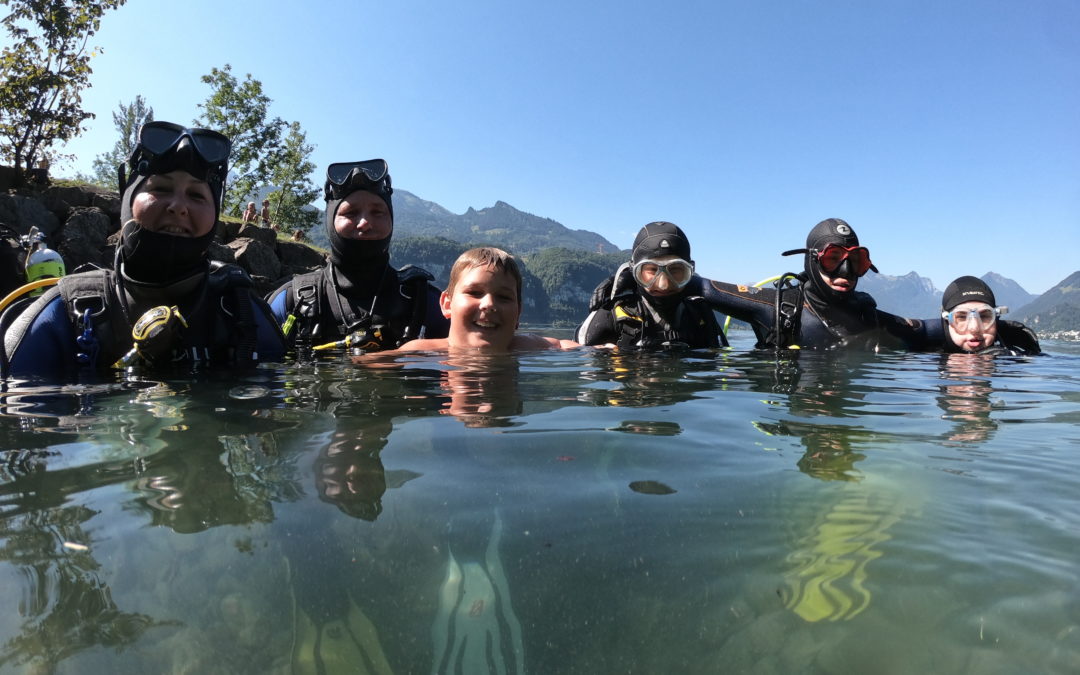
<point x="21" y="213"/>
<point x="109" y="202"/>
<point x="72" y="195"/>
<point x="61" y="199"/>
<point x="261" y="234"/>
<point x="221" y="253"/>
<point x="297" y="258"/>
<point x="85" y="236"/>
<point x="258" y="259"/>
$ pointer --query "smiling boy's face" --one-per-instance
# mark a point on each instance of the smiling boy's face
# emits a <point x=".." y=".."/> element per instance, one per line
<point x="483" y="308"/>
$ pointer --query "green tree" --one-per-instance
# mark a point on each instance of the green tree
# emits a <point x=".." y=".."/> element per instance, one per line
<point x="43" y="73"/>
<point x="291" y="173"/>
<point x="239" y="110"/>
<point x="128" y="119"/>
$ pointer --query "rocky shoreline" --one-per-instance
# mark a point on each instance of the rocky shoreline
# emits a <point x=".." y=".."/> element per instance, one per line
<point x="82" y="223"/>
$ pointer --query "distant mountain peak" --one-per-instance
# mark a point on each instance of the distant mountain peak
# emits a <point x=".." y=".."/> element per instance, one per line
<point x="499" y="225"/>
<point x="414" y="202"/>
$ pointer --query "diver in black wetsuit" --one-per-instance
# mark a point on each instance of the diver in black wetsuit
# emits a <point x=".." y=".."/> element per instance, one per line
<point x="823" y="310"/>
<point x="188" y="312"/>
<point x="358" y="298"/>
<point x="648" y="303"/>
<point x="970" y="316"/>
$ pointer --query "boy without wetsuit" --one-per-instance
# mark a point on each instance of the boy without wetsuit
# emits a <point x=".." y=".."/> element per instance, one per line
<point x="483" y="304"/>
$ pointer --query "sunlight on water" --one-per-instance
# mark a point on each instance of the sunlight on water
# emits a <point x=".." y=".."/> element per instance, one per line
<point x="574" y="512"/>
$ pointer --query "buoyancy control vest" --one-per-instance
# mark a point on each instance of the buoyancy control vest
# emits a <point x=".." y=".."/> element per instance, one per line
<point x="639" y="324"/>
<point x="221" y="325"/>
<point x="318" y="312"/>
<point x="1018" y="338"/>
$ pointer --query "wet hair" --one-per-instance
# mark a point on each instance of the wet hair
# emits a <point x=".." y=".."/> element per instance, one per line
<point x="489" y="257"/>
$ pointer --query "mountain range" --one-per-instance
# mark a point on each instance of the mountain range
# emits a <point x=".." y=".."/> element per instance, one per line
<point x="562" y="266"/>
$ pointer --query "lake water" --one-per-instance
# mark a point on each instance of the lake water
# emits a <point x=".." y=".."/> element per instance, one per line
<point x="572" y="512"/>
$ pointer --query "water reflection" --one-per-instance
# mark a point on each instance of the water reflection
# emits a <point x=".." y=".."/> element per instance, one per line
<point x="965" y="397"/>
<point x="349" y="471"/>
<point x="830" y="449"/>
<point x="645" y="379"/>
<point x="828" y="566"/>
<point x="232" y="526"/>
<point x="228" y="480"/>
<point x="819" y="385"/>
<point x="482" y="391"/>
<point x="66" y="607"/>
<point x="184" y="465"/>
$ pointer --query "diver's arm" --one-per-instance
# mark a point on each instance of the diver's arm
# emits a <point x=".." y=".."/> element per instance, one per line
<point x="597" y="329"/>
<point x="277" y="301"/>
<point x="41" y="341"/>
<point x="917" y="335"/>
<point x="270" y="342"/>
<point x="753" y="305"/>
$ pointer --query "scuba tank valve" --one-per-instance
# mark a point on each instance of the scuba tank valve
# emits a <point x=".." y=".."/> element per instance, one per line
<point x="41" y="261"/>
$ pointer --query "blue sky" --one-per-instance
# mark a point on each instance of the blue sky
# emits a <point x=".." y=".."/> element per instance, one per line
<point x="946" y="133"/>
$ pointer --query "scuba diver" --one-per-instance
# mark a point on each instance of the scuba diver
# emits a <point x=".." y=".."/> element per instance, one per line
<point x="163" y="302"/>
<point x="357" y="299"/>
<point x="823" y="310"/>
<point x="971" y="319"/>
<point x="650" y="302"/>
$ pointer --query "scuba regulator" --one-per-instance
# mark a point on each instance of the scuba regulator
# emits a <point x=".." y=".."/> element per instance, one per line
<point x="154" y="334"/>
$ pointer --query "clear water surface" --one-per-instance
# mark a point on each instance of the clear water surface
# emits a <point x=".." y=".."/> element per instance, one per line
<point x="572" y="512"/>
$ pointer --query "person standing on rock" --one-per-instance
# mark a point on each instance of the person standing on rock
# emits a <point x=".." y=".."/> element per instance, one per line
<point x="265" y="215"/>
<point x="164" y="303"/>
<point x="357" y="299"/>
